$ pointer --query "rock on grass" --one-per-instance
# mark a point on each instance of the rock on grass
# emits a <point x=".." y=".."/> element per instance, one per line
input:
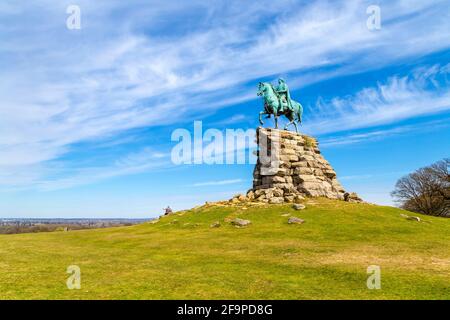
<point x="240" y="222"/>
<point x="410" y="217"/>
<point x="215" y="224"/>
<point x="295" y="220"/>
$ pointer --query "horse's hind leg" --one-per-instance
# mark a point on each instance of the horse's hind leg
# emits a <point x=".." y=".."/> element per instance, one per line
<point x="295" y="125"/>
<point x="276" y="122"/>
<point x="288" y="124"/>
<point x="299" y="117"/>
<point x="291" y="121"/>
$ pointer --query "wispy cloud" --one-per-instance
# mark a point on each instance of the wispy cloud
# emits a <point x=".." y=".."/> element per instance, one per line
<point x="424" y="92"/>
<point x="237" y="118"/>
<point x="362" y="137"/>
<point x="376" y="135"/>
<point x="63" y="176"/>
<point x="149" y="67"/>
<point x="217" y="183"/>
<point x="359" y="177"/>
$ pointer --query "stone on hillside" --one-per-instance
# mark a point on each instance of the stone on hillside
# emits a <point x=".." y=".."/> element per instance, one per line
<point x="295" y="220"/>
<point x="298" y="198"/>
<point x="289" y="198"/>
<point x="240" y="222"/>
<point x="277" y="192"/>
<point x="242" y="198"/>
<point x="250" y="195"/>
<point x="298" y="206"/>
<point x="352" y="197"/>
<point x="410" y="217"/>
<point x="261" y="197"/>
<point x="258" y="193"/>
<point x="238" y="198"/>
<point x="215" y="224"/>
<point x="276" y="200"/>
<point x="234" y="200"/>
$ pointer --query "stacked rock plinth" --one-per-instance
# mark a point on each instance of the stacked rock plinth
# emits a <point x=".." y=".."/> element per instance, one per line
<point x="290" y="167"/>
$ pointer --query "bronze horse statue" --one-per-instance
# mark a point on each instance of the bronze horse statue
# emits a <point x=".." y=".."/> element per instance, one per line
<point x="275" y="105"/>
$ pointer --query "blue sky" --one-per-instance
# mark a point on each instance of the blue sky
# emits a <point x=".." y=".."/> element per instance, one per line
<point x="86" y="116"/>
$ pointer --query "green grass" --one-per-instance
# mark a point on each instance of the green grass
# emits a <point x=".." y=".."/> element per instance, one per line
<point x="181" y="257"/>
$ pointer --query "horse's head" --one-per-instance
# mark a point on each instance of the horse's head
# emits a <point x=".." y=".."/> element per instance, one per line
<point x="261" y="88"/>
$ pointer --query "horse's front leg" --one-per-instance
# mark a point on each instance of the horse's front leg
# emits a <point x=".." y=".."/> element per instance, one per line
<point x="275" y="116"/>
<point x="260" y="117"/>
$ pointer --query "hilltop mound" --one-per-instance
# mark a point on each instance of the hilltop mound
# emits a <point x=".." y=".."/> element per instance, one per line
<point x="201" y="254"/>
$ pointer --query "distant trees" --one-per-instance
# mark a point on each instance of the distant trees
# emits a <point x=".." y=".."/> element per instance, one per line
<point x="13" y="227"/>
<point x="427" y="190"/>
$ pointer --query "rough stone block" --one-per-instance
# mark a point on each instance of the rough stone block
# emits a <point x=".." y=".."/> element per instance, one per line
<point x="298" y="169"/>
<point x="307" y="178"/>
<point x="299" y="164"/>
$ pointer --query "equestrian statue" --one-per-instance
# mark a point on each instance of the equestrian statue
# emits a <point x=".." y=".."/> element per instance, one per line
<point x="277" y="102"/>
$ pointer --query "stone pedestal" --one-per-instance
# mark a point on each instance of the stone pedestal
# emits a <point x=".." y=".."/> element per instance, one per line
<point x="291" y="167"/>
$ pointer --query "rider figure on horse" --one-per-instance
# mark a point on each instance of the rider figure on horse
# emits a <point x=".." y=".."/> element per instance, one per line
<point x="277" y="102"/>
<point x="283" y="92"/>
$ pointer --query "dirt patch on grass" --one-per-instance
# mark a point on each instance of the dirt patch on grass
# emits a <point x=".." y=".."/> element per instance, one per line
<point x="385" y="257"/>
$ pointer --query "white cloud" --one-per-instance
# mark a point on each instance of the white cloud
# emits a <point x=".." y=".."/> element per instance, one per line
<point x="376" y="135"/>
<point x="59" y="88"/>
<point x="217" y="183"/>
<point x="237" y="118"/>
<point x="59" y="175"/>
<point x="397" y="99"/>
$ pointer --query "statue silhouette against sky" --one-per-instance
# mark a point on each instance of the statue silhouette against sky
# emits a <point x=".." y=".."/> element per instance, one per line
<point x="277" y="102"/>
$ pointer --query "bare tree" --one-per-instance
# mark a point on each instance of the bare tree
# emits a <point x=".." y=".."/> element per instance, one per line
<point x="427" y="190"/>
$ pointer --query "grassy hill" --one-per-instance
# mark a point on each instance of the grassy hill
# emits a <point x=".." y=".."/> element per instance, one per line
<point x="181" y="257"/>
